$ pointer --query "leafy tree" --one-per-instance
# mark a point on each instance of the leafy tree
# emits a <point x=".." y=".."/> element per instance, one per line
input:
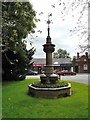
<point x="61" y="54"/>
<point x="69" y="7"/>
<point x="77" y="10"/>
<point x="18" y="20"/>
<point x="81" y="27"/>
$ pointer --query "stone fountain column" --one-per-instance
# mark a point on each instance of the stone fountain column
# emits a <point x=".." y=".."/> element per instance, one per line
<point x="48" y="48"/>
<point x="45" y="87"/>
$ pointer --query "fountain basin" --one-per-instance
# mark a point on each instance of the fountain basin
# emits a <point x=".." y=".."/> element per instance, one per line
<point x="53" y="78"/>
<point x="49" y="92"/>
<point x="43" y="78"/>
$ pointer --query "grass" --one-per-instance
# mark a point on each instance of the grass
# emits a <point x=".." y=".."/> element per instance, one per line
<point x="17" y="104"/>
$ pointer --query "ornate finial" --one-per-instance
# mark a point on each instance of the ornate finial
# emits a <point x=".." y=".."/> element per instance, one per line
<point x="48" y="22"/>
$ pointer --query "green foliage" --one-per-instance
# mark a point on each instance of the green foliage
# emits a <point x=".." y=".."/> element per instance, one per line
<point x="61" y="54"/>
<point x="18" y="20"/>
<point x="17" y="104"/>
<point x="57" y="85"/>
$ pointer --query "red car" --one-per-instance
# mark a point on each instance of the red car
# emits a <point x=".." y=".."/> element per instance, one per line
<point x="66" y="73"/>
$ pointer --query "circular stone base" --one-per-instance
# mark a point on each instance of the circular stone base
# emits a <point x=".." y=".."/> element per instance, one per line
<point x="50" y="92"/>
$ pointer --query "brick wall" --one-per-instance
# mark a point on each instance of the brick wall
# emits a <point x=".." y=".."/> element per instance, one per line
<point x="82" y="63"/>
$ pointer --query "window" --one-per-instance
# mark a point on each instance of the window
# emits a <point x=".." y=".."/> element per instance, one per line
<point x="85" y="67"/>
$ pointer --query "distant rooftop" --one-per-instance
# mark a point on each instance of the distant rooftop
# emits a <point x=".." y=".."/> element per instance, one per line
<point x="55" y="61"/>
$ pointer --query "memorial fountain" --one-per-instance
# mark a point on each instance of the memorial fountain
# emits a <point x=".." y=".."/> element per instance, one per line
<point x="49" y="85"/>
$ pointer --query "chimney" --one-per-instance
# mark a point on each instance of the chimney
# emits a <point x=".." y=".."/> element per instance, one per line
<point x="86" y="54"/>
<point x="77" y="55"/>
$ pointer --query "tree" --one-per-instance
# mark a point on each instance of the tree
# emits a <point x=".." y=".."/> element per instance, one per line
<point x="61" y="54"/>
<point x="69" y="7"/>
<point x="18" y="20"/>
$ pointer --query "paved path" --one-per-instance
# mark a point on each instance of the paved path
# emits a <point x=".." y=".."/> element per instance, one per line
<point x="81" y="78"/>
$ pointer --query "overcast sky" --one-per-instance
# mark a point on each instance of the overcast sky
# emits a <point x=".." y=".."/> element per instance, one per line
<point x="59" y="29"/>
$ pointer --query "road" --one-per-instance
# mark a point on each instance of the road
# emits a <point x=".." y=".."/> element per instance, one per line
<point x="80" y="78"/>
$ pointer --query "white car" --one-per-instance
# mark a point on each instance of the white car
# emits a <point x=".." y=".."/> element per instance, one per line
<point x="31" y="72"/>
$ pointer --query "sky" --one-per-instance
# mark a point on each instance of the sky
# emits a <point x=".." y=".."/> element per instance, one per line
<point x="59" y="28"/>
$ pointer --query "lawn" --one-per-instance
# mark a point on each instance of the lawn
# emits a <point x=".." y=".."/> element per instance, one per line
<point x="17" y="104"/>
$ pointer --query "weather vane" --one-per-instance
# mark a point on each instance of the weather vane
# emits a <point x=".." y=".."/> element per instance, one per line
<point x="48" y="22"/>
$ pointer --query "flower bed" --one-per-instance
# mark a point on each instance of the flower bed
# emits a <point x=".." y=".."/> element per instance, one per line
<point x="57" y="85"/>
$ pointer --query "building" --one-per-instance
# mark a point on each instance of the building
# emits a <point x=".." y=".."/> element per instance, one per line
<point x="81" y="64"/>
<point x="57" y="63"/>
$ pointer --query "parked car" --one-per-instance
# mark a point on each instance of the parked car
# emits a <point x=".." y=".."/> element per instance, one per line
<point x="31" y="72"/>
<point x="65" y="72"/>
